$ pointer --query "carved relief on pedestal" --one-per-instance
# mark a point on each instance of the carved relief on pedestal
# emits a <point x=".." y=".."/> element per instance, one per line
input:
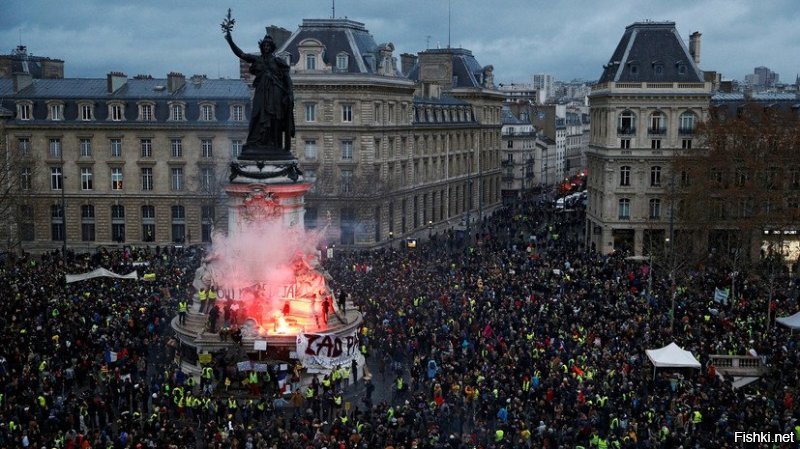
<point x="259" y="207"/>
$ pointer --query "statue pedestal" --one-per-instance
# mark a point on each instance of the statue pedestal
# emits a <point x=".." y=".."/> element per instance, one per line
<point x="266" y="192"/>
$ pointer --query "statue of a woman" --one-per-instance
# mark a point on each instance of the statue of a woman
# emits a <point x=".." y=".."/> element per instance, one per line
<point x="272" y="121"/>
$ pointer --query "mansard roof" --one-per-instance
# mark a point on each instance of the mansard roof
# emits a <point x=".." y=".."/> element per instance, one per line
<point x="155" y="89"/>
<point x="651" y="52"/>
<point x="467" y="72"/>
<point x="338" y="36"/>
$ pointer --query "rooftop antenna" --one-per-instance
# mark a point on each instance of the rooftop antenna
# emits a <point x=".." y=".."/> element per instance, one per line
<point x="427" y="41"/>
<point x="333" y="9"/>
<point x="449" y="2"/>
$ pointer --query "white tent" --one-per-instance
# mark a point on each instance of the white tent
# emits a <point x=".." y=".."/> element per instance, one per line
<point x="792" y="322"/>
<point x="671" y="356"/>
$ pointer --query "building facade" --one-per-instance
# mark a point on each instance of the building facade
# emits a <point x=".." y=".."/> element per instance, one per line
<point x="518" y="157"/>
<point x="115" y="161"/>
<point x="393" y="155"/>
<point x="643" y="110"/>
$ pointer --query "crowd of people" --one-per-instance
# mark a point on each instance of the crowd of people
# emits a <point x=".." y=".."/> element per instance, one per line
<point x="520" y="338"/>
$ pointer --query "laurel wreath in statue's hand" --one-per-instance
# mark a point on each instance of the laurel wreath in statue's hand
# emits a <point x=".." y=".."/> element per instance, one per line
<point x="227" y="23"/>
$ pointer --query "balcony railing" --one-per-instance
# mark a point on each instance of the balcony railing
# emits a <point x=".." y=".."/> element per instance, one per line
<point x="686" y="131"/>
<point x="506" y="163"/>
<point x="626" y="130"/>
<point x="656" y="131"/>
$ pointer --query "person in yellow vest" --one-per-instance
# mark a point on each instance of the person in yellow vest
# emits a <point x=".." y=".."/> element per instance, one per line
<point x="252" y="382"/>
<point x="697" y="419"/>
<point x="212" y="297"/>
<point x="337" y="402"/>
<point x="206" y="378"/>
<point x="326" y="383"/>
<point x="202" y="296"/>
<point x="183" y="307"/>
<point x="335" y="376"/>
<point x="498" y="435"/>
<point x="346" y="376"/>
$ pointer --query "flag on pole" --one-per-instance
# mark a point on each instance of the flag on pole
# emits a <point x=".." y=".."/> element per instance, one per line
<point x="110" y="356"/>
<point x="284" y="388"/>
<point x="721" y="296"/>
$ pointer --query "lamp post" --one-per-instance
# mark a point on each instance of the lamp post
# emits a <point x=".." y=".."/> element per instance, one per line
<point x="391" y="239"/>
<point x="63" y="213"/>
<point x="430" y="228"/>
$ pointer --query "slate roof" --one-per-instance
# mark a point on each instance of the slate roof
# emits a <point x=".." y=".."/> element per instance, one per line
<point x="508" y="118"/>
<point x="223" y="92"/>
<point x="466" y="69"/>
<point x="338" y="36"/>
<point x="646" y="46"/>
<point x="133" y="89"/>
<point x="444" y="100"/>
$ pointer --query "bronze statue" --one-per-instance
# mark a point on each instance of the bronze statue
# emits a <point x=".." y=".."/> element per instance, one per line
<point x="272" y="115"/>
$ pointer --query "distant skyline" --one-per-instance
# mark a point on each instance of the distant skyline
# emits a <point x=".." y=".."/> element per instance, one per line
<point x="518" y="37"/>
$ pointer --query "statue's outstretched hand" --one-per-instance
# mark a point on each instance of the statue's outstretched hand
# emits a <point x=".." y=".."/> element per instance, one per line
<point x="227" y="24"/>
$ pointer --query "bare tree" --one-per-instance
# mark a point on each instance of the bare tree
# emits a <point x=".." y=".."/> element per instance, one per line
<point x="18" y="170"/>
<point x="744" y="184"/>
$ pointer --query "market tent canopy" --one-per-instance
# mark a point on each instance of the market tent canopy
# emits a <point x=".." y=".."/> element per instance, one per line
<point x="792" y="322"/>
<point x="100" y="272"/>
<point x="672" y="356"/>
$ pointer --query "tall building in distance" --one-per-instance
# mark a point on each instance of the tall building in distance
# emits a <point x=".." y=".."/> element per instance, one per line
<point x="762" y="78"/>
<point x="544" y="83"/>
<point x="644" y="109"/>
<point x="20" y="61"/>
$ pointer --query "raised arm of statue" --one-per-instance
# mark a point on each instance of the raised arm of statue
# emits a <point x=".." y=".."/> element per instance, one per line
<point x="227" y="26"/>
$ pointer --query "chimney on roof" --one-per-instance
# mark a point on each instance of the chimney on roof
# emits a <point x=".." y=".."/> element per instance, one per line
<point x="175" y="81"/>
<point x="694" y="46"/>
<point x="407" y="62"/>
<point x="22" y="80"/>
<point x="115" y="80"/>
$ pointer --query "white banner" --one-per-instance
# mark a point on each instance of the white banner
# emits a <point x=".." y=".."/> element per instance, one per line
<point x="100" y="272"/>
<point x="326" y="351"/>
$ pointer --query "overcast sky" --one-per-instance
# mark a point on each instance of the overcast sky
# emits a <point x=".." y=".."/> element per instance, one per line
<point x="568" y="39"/>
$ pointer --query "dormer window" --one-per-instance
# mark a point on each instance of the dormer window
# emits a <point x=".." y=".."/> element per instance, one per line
<point x="311" y="51"/>
<point x="146" y="112"/>
<point x="55" y="110"/>
<point x="116" y="112"/>
<point x="342" y="61"/>
<point x="207" y="112"/>
<point x="658" y="68"/>
<point x="177" y="112"/>
<point x="86" y="111"/>
<point x="237" y="113"/>
<point x="681" y="68"/>
<point x="25" y="111"/>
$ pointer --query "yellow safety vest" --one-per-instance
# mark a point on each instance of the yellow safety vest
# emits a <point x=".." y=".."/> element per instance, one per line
<point x="202" y="295"/>
<point x="183" y="306"/>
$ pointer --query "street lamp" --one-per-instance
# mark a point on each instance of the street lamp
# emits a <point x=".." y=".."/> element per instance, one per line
<point x="391" y="239"/>
<point x="430" y="228"/>
<point x="63" y="213"/>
